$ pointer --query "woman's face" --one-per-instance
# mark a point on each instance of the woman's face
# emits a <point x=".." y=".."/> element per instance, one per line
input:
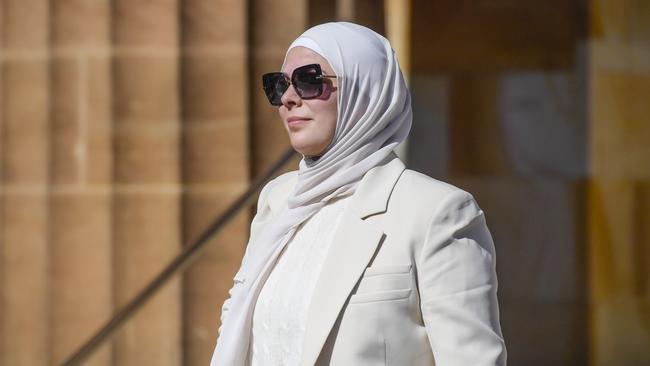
<point x="310" y="123"/>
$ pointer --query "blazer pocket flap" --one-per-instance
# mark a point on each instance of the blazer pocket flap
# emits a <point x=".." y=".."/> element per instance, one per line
<point x="385" y="278"/>
<point x="380" y="296"/>
<point x="387" y="269"/>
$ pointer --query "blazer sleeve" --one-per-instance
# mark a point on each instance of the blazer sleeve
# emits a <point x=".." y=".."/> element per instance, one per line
<point x="458" y="286"/>
<point x="263" y="213"/>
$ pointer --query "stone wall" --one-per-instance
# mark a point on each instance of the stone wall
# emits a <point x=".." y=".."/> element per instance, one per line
<point x="126" y="127"/>
<point x="124" y="131"/>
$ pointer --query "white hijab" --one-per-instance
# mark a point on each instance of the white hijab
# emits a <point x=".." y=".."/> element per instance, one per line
<point x="374" y="116"/>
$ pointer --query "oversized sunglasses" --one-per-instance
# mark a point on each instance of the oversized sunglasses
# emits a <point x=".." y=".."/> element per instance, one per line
<point x="307" y="81"/>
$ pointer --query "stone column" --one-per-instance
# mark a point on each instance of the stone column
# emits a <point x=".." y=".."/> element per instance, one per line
<point x="24" y="89"/>
<point x="146" y="175"/>
<point x="369" y="13"/>
<point x="81" y="177"/>
<point x="215" y="159"/>
<point x="619" y="188"/>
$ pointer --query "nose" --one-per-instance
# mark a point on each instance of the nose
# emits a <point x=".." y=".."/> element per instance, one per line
<point x="290" y="98"/>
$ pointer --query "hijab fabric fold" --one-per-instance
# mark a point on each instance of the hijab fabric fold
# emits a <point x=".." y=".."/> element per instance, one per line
<point x="374" y="116"/>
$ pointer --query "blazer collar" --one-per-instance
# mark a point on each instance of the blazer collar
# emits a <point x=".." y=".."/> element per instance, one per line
<point x="372" y="195"/>
<point x="370" y="198"/>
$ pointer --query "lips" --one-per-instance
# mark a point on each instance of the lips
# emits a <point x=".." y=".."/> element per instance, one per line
<point x="293" y="121"/>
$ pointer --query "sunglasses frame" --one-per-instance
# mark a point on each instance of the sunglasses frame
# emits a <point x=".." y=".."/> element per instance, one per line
<point x="269" y="90"/>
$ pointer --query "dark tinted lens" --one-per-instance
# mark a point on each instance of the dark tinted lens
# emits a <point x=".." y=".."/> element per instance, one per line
<point x="275" y="84"/>
<point x="307" y="81"/>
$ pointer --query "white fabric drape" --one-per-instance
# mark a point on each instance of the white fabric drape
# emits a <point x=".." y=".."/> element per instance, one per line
<point x="374" y="116"/>
<point x="280" y="314"/>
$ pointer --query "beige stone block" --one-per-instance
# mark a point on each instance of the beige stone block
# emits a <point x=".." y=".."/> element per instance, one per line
<point x="24" y="283"/>
<point x="217" y="24"/>
<point x="80" y="23"/>
<point x="26" y="25"/>
<point x="153" y="335"/>
<point x="619" y="241"/>
<point x="2" y="37"/>
<point x="80" y="121"/>
<point x="215" y="153"/>
<point x="99" y="93"/>
<point x="622" y="21"/>
<point x="147" y="236"/>
<point x="146" y="135"/>
<point x="619" y="265"/>
<point x="143" y="23"/>
<point x="145" y="89"/>
<point x="202" y="206"/>
<point x="621" y="332"/>
<point x="81" y="271"/>
<point x="214" y="87"/>
<point x="67" y="139"/>
<point x="99" y="123"/>
<point x="620" y="130"/>
<point x="612" y="55"/>
<point x="146" y="154"/>
<point x="277" y="23"/>
<point x="25" y="121"/>
<point x="206" y="282"/>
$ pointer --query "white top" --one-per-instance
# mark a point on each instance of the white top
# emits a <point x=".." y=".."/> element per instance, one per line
<point x="281" y="310"/>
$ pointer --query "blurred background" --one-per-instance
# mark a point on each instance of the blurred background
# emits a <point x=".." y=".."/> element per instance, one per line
<point x="126" y="126"/>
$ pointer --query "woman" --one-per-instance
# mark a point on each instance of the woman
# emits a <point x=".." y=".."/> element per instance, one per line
<point x="353" y="259"/>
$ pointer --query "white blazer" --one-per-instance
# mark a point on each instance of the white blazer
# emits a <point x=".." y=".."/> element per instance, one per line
<point x="410" y="276"/>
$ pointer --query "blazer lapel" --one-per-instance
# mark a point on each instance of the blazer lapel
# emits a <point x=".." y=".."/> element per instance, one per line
<point x="354" y="245"/>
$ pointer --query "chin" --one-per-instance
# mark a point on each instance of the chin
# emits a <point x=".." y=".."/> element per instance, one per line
<point x="307" y="150"/>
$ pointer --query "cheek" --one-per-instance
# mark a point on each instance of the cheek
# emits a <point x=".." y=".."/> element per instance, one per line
<point x="333" y="117"/>
<point x="332" y="124"/>
<point x="328" y="109"/>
